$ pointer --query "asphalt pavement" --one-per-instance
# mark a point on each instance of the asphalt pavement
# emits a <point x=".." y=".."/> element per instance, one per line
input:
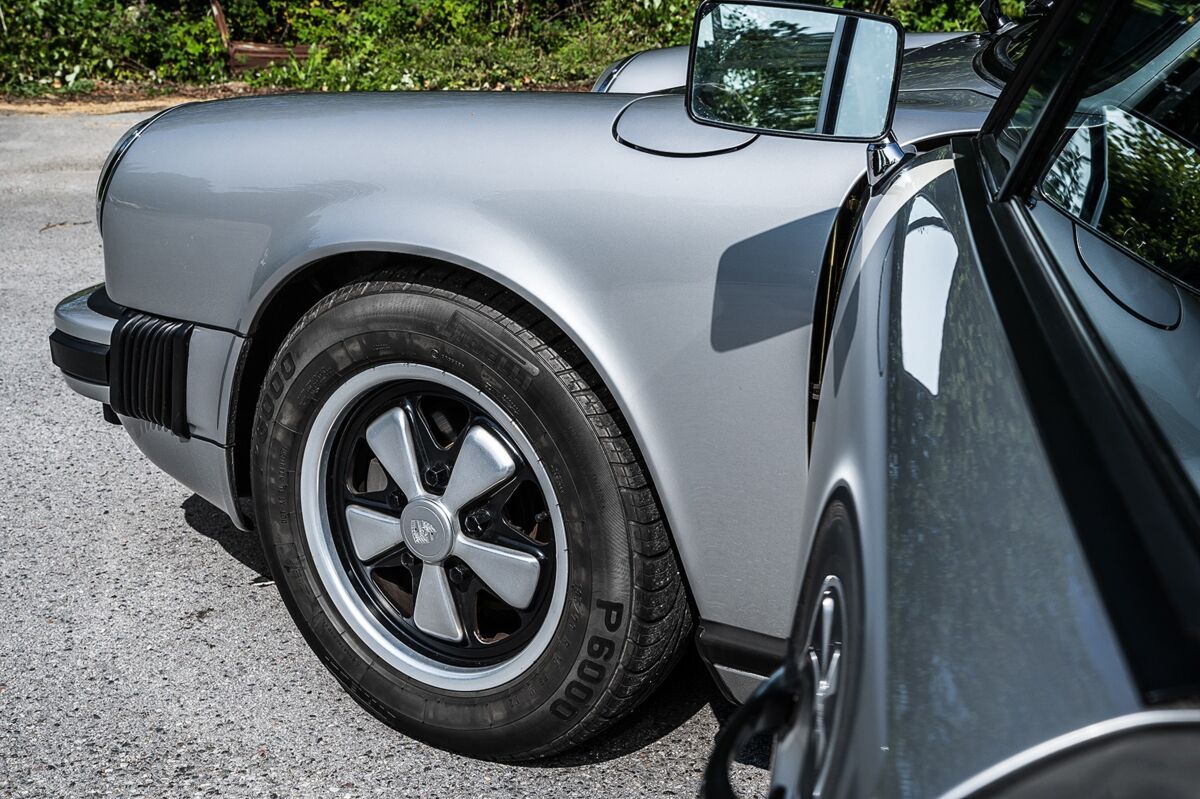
<point x="143" y="649"/>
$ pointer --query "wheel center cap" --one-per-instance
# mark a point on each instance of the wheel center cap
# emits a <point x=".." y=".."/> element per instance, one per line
<point x="428" y="532"/>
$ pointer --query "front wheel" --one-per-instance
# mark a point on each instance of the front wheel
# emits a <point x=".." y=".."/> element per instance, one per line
<point x="459" y="522"/>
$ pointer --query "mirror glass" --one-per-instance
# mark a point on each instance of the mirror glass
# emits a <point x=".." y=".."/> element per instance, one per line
<point x="796" y="70"/>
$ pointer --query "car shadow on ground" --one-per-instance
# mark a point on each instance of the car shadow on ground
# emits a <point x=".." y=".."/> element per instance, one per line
<point x="212" y="522"/>
<point x="689" y="689"/>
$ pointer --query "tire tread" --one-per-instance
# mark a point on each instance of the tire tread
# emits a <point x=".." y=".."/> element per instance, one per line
<point x="661" y="616"/>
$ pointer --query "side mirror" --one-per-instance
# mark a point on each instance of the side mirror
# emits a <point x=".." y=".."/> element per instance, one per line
<point x="794" y="70"/>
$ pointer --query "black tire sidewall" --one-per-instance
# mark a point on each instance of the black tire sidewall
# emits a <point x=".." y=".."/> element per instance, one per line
<point x="835" y="552"/>
<point x="380" y="323"/>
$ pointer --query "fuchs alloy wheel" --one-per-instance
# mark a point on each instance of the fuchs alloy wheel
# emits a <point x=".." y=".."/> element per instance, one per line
<point x="826" y="646"/>
<point x="433" y="526"/>
<point x="458" y="520"/>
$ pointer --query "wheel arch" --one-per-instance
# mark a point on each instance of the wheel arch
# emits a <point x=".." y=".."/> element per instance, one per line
<point x="294" y="289"/>
<point x="289" y="298"/>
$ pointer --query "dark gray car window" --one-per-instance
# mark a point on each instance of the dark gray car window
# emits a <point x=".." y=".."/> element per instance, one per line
<point x="1125" y="220"/>
<point x="1147" y="31"/>
<point x="1131" y="169"/>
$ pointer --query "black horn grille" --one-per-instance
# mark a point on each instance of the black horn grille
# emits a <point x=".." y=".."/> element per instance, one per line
<point x="148" y="370"/>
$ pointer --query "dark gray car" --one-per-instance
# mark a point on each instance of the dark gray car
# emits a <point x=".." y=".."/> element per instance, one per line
<point x="1003" y="594"/>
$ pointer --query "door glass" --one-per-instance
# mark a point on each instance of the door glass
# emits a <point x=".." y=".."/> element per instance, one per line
<point x="1126" y="185"/>
<point x="1131" y="168"/>
<point x="1010" y="138"/>
<point x="1147" y="35"/>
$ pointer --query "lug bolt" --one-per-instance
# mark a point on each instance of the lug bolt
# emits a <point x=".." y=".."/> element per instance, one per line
<point x="478" y="521"/>
<point x="406" y="559"/>
<point x="437" y="475"/>
<point x="395" y="500"/>
<point x="458" y="574"/>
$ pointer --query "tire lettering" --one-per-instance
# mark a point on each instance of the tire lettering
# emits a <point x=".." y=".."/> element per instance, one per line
<point x="600" y="650"/>
<point x="563" y="709"/>
<point x="272" y="390"/>
<point x="590" y="671"/>
<point x="612" y="614"/>
<point x="578" y="691"/>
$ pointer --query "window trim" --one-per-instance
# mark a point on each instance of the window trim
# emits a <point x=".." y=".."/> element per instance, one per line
<point x="1039" y="145"/>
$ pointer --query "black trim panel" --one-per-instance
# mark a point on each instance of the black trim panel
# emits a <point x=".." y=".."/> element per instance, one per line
<point x="736" y="648"/>
<point x="149" y="370"/>
<point x="101" y="303"/>
<point x="79" y="358"/>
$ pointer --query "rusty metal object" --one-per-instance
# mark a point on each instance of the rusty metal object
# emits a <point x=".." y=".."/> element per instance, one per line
<point x="254" y="55"/>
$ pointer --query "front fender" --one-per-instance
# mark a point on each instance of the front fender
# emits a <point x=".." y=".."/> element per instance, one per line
<point x="689" y="283"/>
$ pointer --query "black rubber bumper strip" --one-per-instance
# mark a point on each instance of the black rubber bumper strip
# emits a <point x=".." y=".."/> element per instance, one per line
<point x="735" y="648"/>
<point x="79" y="358"/>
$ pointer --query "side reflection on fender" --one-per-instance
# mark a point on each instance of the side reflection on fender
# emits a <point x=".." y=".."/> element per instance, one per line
<point x="930" y="256"/>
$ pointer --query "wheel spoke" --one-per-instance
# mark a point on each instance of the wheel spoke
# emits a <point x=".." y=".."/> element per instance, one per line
<point x="435" y="613"/>
<point x="828" y="606"/>
<point x="376" y="500"/>
<point x="511" y="575"/>
<point x="391" y="439"/>
<point x="829" y="681"/>
<point x="483" y="463"/>
<point x="372" y="533"/>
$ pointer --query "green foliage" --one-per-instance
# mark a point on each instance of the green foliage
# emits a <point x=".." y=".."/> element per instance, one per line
<point x="932" y="15"/>
<point x="1155" y="191"/>
<point x="456" y="44"/>
<point x="62" y="44"/>
<point x="1152" y="186"/>
<point x="67" y="45"/>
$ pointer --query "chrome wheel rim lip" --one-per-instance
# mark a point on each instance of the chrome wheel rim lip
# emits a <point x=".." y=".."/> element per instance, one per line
<point x="318" y="533"/>
<point x="793" y="773"/>
<point x="830" y="587"/>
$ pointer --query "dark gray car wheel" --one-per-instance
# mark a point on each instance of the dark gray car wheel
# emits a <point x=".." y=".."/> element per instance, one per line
<point x="458" y="519"/>
<point x="825" y="657"/>
<point x="807" y="705"/>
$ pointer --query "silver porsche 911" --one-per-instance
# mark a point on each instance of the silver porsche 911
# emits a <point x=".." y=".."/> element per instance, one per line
<point x="525" y="392"/>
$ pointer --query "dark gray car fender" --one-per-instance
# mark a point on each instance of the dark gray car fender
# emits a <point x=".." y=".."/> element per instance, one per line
<point x="923" y="423"/>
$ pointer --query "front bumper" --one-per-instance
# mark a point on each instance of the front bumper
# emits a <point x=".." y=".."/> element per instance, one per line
<point x="169" y="383"/>
<point x="134" y="362"/>
<point x="80" y="343"/>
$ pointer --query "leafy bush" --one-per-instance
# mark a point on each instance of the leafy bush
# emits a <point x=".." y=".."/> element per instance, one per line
<point x="67" y="45"/>
<point x="932" y="15"/>
<point x="452" y="44"/>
